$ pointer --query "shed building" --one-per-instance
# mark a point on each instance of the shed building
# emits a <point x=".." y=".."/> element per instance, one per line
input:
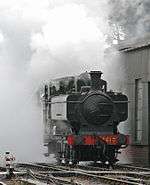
<point x="136" y="60"/>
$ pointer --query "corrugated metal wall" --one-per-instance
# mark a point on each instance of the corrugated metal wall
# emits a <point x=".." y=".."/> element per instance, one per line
<point x="137" y="70"/>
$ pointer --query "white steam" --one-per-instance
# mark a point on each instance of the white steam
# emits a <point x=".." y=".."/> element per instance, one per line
<point x="41" y="40"/>
<point x="70" y="42"/>
<point x="132" y="17"/>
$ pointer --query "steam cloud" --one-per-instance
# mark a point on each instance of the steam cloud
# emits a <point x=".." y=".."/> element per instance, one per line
<point x="65" y="40"/>
<point x="131" y="17"/>
<point x="45" y="39"/>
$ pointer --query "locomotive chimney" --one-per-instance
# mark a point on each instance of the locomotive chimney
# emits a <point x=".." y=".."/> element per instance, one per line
<point x="96" y="82"/>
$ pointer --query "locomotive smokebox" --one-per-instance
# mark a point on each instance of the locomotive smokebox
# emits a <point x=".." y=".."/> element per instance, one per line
<point x="96" y="81"/>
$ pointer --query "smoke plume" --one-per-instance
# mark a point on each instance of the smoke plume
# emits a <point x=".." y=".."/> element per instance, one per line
<point x="130" y="18"/>
<point x="40" y="40"/>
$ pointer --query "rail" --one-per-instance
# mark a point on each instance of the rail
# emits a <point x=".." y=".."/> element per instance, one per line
<point x="80" y="174"/>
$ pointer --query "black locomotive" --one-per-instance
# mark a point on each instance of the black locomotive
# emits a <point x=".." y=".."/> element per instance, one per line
<point x="81" y="119"/>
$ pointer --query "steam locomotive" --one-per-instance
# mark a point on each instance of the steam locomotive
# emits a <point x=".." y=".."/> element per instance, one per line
<point x="81" y="119"/>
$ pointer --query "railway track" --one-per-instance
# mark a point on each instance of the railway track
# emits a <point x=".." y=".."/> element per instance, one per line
<point x="96" y="167"/>
<point x="122" y="174"/>
<point x="79" y="178"/>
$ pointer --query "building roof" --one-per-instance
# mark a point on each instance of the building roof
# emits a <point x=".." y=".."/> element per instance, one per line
<point x="134" y="44"/>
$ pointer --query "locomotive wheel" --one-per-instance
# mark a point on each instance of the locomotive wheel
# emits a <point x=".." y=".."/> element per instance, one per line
<point x="61" y="161"/>
<point x="58" y="160"/>
<point x="64" y="162"/>
<point x="73" y="163"/>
